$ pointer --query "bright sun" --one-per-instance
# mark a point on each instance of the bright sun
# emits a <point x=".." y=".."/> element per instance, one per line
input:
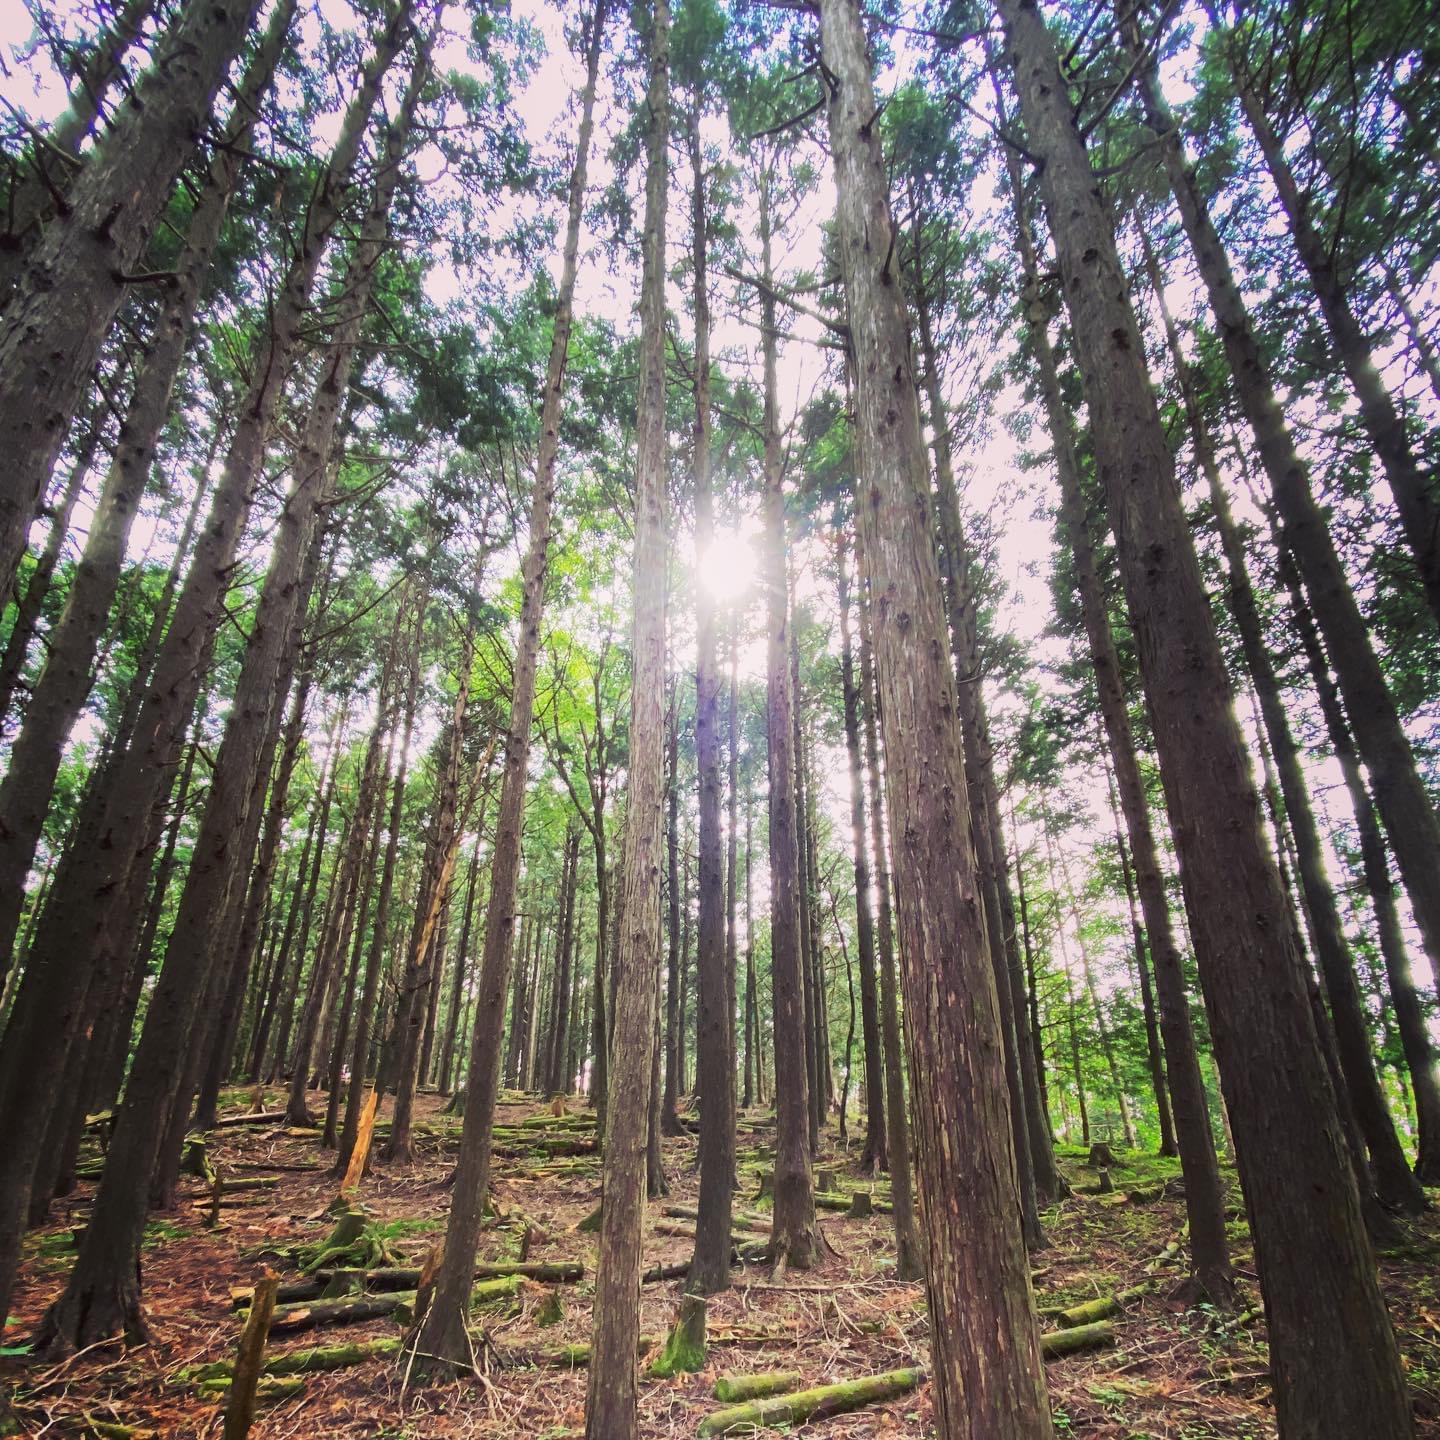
<point x="727" y="565"/>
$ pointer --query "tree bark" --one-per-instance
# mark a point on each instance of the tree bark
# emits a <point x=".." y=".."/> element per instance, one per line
<point x="1304" y="1208"/>
<point x="715" y="1055"/>
<point x="74" y="282"/>
<point x="68" y="674"/>
<point x="875" y="1156"/>
<point x="441" y="1341"/>
<point x="985" y="1345"/>
<point x="908" y="1262"/>
<point x="611" y="1394"/>
<point x="795" y="1237"/>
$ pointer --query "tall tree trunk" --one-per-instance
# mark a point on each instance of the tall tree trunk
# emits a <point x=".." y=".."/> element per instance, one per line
<point x="76" y="278"/>
<point x="441" y="1340"/>
<point x="611" y="1396"/>
<point x="674" y="1043"/>
<point x="1396" y="1186"/>
<point x="77" y="948"/>
<point x="984" y="1342"/>
<point x="1153" y="1054"/>
<point x="38" y="190"/>
<point x="68" y="674"/>
<point x="908" y="1261"/>
<point x="795" y="1236"/>
<point x="1410" y="1020"/>
<point x="28" y="606"/>
<point x="1400" y="794"/>
<point x="1411" y="486"/>
<point x="1304" y="1208"/>
<point x="875" y="1155"/>
<point x="963" y="627"/>
<point x="714" y="1049"/>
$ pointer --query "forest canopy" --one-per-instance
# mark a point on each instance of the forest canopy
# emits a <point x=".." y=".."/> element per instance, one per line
<point x="720" y="705"/>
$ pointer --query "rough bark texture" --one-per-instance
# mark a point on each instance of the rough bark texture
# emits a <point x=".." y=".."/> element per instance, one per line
<point x="1412" y="486"/>
<point x="1304" y="1208"/>
<point x="65" y="681"/>
<point x="611" y="1394"/>
<point x="80" y="944"/>
<point x="1410" y="1020"/>
<point x="876" y="1154"/>
<point x="985" y="1345"/>
<point x="1400" y="794"/>
<point x="75" y="280"/>
<point x="1204" y="1198"/>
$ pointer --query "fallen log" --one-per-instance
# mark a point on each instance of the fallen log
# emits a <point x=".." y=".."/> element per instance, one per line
<point x="262" y="1117"/>
<point x="801" y="1405"/>
<point x="371" y="1307"/>
<point x="1055" y="1343"/>
<point x="732" y="1389"/>
<point x="304" y="1362"/>
<point x="1100" y="1308"/>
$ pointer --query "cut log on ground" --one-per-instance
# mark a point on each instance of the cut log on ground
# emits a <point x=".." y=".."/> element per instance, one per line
<point x="799" y="1406"/>
<point x="1055" y="1343"/>
<point x="732" y="1389"/>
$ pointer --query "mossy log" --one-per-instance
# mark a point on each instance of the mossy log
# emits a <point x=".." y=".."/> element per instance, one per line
<point x="304" y="1362"/>
<point x="732" y="1389"/>
<point x="1145" y="1194"/>
<point x="1102" y="1307"/>
<point x="798" y="1406"/>
<point x="371" y="1307"/>
<point x="756" y="1223"/>
<point x="566" y="1357"/>
<point x="831" y="1201"/>
<point x="684" y="1350"/>
<point x="1055" y="1343"/>
<point x="110" y="1430"/>
<point x="674" y="1230"/>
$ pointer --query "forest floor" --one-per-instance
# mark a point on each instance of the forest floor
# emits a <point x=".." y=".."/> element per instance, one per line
<point x="1172" y="1373"/>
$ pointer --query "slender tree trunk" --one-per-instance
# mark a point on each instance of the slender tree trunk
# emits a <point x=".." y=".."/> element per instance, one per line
<point x="441" y="1340"/>
<point x="714" y="1039"/>
<point x="669" y="1118"/>
<point x="1400" y="794"/>
<point x="1410" y="1020"/>
<point x="78" y="947"/>
<point x="1304" y="1209"/>
<point x="29" y="605"/>
<point x="1411" y="486"/>
<point x="908" y="1254"/>
<point x="965" y="650"/>
<point x="611" y="1396"/>
<point x="1153" y="1053"/>
<point x="462" y="963"/>
<point x="795" y="1236"/>
<point x="984" y="1342"/>
<point x="875" y="1156"/>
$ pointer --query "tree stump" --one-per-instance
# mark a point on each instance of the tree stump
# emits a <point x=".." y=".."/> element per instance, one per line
<point x="685" y="1348"/>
